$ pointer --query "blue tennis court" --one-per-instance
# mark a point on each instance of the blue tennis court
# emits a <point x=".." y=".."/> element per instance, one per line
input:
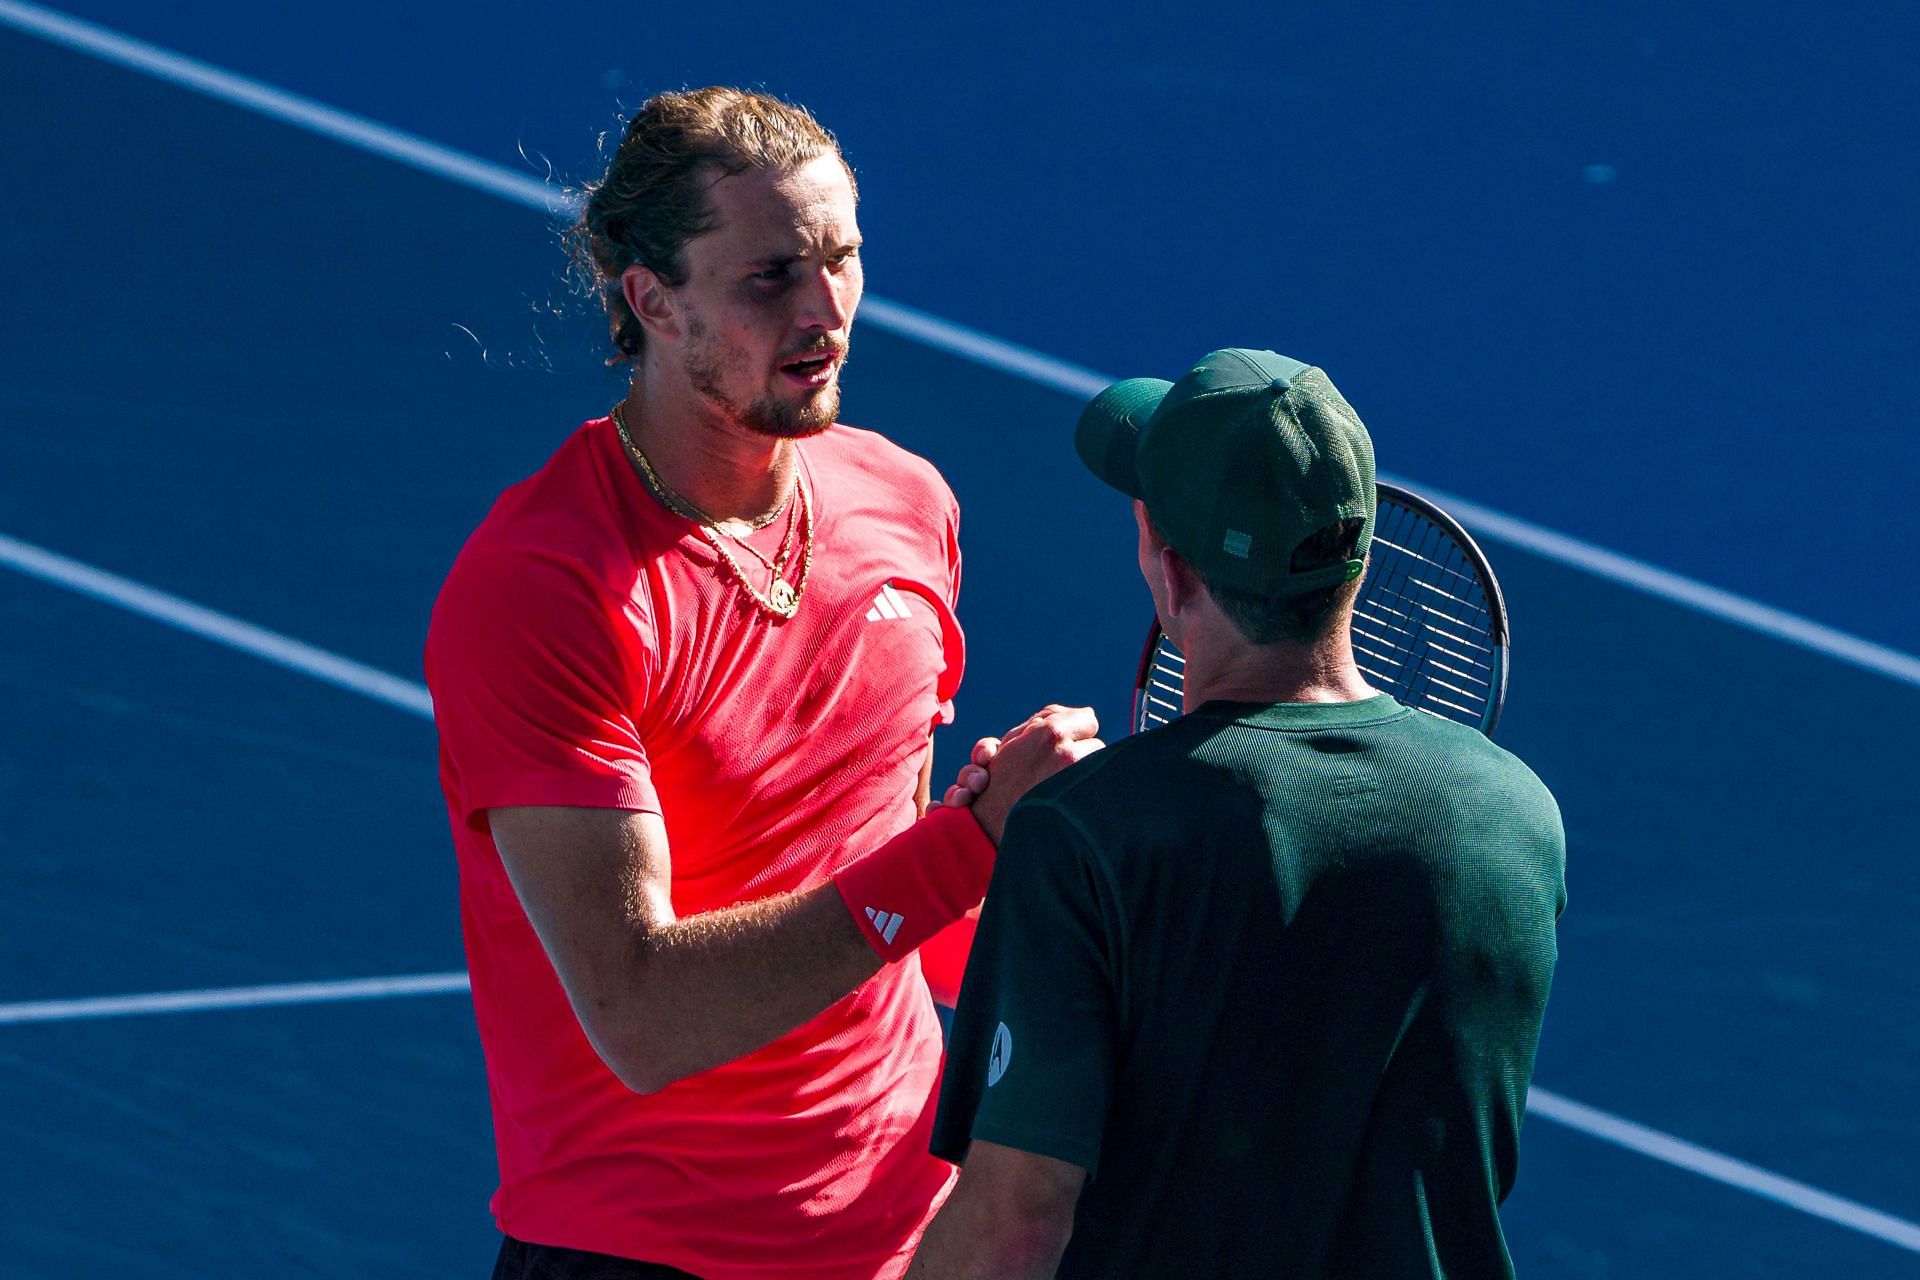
<point x="1633" y="297"/>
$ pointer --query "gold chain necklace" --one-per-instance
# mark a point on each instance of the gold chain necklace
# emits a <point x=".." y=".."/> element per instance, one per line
<point x="782" y="598"/>
<point x="780" y="554"/>
<point x="678" y="502"/>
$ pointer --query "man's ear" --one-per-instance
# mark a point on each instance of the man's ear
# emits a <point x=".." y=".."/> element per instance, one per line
<point x="1183" y="582"/>
<point x="651" y="300"/>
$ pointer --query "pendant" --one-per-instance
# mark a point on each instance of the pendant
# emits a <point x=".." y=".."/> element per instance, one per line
<point x="782" y="597"/>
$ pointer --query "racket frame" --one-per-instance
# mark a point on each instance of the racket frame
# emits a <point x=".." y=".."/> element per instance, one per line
<point x="1499" y="634"/>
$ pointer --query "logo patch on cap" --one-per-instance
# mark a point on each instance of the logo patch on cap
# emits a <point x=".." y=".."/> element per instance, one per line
<point x="1237" y="543"/>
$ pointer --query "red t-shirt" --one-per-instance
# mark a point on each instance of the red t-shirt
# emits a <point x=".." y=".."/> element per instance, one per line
<point x="589" y="649"/>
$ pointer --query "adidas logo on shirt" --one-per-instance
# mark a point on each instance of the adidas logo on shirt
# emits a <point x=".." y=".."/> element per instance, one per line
<point x="884" y="923"/>
<point x="887" y="605"/>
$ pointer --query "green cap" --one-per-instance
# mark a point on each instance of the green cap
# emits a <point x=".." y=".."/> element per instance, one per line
<point x="1239" y="462"/>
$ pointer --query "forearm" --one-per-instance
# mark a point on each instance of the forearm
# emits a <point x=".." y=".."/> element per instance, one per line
<point x="665" y="997"/>
<point x="1008" y="1255"/>
<point x="986" y="1234"/>
<point x="707" y="989"/>
<point x="727" y="982"/>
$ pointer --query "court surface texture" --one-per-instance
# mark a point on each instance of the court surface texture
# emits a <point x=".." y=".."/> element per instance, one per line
<point x="1635" y="298"/>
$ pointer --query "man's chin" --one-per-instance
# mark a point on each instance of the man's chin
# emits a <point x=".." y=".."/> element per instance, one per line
<point x="795" y="421"/>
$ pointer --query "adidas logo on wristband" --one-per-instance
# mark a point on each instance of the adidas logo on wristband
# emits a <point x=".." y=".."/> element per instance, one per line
<point x="884" y="924"/>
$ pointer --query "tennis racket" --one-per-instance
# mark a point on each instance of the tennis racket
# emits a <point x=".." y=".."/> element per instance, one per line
<point x="1430" y="626"/>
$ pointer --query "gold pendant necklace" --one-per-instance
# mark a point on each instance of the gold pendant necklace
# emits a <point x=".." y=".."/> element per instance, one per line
<point x="782" y="598"/>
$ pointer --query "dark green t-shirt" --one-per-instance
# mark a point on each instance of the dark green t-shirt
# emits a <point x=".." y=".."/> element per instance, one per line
<point x="1274" y="975"/>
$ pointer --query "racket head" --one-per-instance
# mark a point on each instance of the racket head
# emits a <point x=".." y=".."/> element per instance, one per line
<point x="1430" y="624"/>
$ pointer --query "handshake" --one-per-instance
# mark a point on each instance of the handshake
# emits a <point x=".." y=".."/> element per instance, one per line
<point x="1003" y="769"/>
<point x="937" y="870"/>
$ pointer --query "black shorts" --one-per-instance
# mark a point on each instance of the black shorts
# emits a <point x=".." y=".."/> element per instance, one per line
<point x="522" y="1261"/>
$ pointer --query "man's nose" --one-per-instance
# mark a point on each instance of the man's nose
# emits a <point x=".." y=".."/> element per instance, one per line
<point x="827" y="299"/>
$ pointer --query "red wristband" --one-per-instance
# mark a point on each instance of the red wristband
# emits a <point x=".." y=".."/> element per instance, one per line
<point x="919" y="882"/>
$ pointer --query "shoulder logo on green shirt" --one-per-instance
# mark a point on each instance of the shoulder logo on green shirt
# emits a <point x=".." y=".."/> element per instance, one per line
<point x="1002" y="1054"/>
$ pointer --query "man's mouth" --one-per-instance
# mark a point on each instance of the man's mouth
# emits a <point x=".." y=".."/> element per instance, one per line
<point x="814" y="369"/>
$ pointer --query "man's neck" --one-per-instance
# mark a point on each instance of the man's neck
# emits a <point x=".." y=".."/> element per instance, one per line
<point x="1226" y="668"/>
<point x="720" y="467"/>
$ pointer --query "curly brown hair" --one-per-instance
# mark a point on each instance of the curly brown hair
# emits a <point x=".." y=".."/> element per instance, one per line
<point x="653" y="197"/>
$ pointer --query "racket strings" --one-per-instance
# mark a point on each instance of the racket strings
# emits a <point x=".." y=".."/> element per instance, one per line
<point x="1424" y="629"/>
<point x="1165" y="686"/>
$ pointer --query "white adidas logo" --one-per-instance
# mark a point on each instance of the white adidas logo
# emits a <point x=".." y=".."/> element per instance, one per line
<point x="887" y="925"/>
<point x="887" y="605"/>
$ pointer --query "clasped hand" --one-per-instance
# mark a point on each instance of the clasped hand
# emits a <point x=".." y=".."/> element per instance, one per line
<point x="1003" y="769"/>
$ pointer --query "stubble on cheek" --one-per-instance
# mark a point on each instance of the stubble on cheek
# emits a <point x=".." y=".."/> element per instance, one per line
<point x="708" y="358"/>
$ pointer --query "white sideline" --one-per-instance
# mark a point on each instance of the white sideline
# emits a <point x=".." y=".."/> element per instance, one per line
<point x="456" y="166"/>
<point x="959" y="340"/>
<point x="288" y="108"/>
<point x="1682" y="1154"/>
<point x="285" y="651"/>
<point x="1595" y="1123"/>
<point x="909" y="322"/>
<point x="423" y="984"/>
<point x="1655" y="581"/>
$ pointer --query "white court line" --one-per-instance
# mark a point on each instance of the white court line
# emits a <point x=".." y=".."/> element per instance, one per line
<point x="1655" y="581"/>
<point x="375" y="684"/>
<point x="1550" y="1106"/>
<point x="995" y="353"/>
<point x="285" y="651"/>
<point x="910" y="322"/>
<point x="1725" y="1169"/>
<point x="347" y="674"/>
<point x="289" y="108"/>
<point x="970" y="344"/>
<point x="457" y="166"/>
<point x="423" y="984"/>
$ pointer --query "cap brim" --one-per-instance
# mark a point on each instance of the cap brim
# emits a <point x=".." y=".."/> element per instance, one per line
<point x="1108" y="434"/>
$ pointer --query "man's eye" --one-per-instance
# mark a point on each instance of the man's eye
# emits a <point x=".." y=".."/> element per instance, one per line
<point x="771" y="274"/>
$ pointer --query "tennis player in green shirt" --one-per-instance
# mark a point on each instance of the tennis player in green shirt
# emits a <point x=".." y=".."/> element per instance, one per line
<point x="1257" y="993"/>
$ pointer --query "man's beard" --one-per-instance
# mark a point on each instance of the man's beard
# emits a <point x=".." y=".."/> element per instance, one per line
<point x="768" y="415"/>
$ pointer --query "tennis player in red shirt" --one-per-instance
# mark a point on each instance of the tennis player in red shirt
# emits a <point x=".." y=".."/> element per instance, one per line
<point x="685" y="678"/>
